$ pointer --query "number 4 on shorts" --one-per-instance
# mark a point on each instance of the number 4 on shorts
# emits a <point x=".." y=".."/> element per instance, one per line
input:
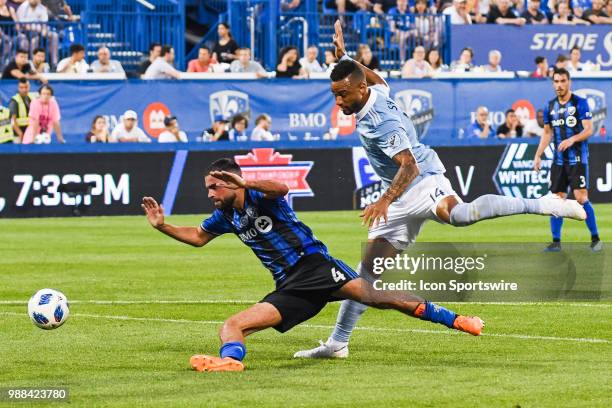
<point x="337" y="275"/>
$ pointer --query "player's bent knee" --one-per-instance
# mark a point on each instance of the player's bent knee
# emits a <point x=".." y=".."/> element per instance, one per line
<point x="231" y="325"/>
<point x="445" y="207"/>
<point x="581" y="196"/>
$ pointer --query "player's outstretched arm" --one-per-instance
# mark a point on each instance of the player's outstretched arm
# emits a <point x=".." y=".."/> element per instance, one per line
<point x="372" y="78"/>
<point x="194" y="236"/>
<point x="406" y="173"/>
<point x="270" y="188"/>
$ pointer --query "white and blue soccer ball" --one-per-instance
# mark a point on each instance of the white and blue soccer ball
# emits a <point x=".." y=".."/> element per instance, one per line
<point x="48" y="309"/>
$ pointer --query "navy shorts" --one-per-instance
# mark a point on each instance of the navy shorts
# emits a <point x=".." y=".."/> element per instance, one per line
<point x="308" y="287"/>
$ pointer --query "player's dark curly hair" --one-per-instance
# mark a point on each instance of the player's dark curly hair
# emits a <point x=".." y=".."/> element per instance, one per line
<point x="224" y="164"/>
<point x="344" y="69"/>
<point x="561" y="71"/>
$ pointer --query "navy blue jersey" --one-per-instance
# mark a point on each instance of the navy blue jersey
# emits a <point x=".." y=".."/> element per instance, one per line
<point x="270" y="228"/>
<point x="565" y="122"/>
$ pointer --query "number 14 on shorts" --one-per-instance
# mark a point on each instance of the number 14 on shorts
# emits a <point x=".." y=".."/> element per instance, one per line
<point x="437" y="193"/>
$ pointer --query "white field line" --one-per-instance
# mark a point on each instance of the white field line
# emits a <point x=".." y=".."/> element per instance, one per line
<point x="328" y="327"/>
<point x="250" y="302"/>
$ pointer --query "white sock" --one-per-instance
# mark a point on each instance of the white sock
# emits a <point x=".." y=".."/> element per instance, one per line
<point x="492" y="206"/>
<point x="348" y="316"/>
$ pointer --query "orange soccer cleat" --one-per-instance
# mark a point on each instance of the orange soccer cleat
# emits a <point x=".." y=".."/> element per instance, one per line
<point x="469" y="324"/>
<point x="200" y="362"/>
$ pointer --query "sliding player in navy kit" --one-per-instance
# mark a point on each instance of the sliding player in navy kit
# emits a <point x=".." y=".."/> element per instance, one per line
<point x="306" y="276"/>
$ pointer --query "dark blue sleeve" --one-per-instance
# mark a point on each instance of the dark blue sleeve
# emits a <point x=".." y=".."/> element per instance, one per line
<point x="259" y="198"/>
<point x="216" y="224"/>
<point x="583" y="110"/>
<point x="546" y="115"/>
<point x="256" y="196"/>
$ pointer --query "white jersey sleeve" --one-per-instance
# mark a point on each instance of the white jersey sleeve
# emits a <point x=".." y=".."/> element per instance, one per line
<point x="393" y="143"/>
<point x="382" y="89"/>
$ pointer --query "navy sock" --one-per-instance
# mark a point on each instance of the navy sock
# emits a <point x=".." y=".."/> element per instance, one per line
<point x="591" y="222"/>
<point x="438" y="314"/>
<point x="233" y="349"/>
<point x="555" y="227"/>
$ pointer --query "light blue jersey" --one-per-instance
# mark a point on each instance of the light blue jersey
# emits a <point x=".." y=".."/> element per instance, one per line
<point x="385" y="130"/>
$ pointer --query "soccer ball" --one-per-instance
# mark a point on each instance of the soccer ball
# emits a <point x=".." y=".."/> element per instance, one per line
<point x="43" y="138"/>
<point x="48" y="309"/>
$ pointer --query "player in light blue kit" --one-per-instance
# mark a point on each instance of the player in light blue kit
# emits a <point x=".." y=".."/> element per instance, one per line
<point x="416" y="191"/>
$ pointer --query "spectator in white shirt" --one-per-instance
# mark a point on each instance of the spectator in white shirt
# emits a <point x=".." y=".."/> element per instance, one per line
<point x="495" y="57"/>
<point x="565" y="16"/>
<point x="434" y="59"/>
<point x="458" y="12"/>
<point x="128" y="130"/>
<point x="104" y="63"/>
<point x="244" y="63"/>
<point x="330" y="60"/>
<point x="535" y="127"/>
<point x="75" y="63"/>
<point x="574" y="65"/>
<point x="262" y="129"/>
<point x="173" y="132"/>
<point x="464" y="63"/>
<point x="33" y="11"/>
<point x="480" y="11"/>
<point x="417" y="67"/>
<point x="161" y="67"/>
<point x="309" y="62"/>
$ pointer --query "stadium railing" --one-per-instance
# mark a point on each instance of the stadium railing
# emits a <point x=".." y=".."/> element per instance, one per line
<point x="131" y="26"/>
<point x="389" y="37"/>
<point x="207" y="40"/>
<point x="52" y="36"/>
<point x="127" y="28"/>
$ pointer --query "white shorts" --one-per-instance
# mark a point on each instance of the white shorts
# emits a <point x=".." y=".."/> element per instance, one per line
<point x="408" y="213"/>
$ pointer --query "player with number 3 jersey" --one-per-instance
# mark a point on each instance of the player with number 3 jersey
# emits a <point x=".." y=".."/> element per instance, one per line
<point x="569" y="123"/>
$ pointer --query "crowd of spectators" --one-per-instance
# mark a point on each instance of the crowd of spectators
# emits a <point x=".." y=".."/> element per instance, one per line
<point x="34" y="117"/>
<point x="413" y="30"/>
<point x="409" y="23"/>
<point x="235" y="129"/>
<point x="31" y="117"/>
<point x="21" y="66"/>
<point x="513" y="126"/>
<point x="514" y="12"/>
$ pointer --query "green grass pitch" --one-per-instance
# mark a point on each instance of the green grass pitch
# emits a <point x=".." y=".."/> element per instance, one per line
<point x="136" y="354"/>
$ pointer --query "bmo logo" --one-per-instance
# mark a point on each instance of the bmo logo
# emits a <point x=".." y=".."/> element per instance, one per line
<point x="524" y="109"/>
<point x="153" y="118"/>
<point x="558" y="122"/>
<point x="307" y="120"/>
<point x="263" y="224"/>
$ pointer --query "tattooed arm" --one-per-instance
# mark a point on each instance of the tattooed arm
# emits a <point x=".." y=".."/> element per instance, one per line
<point x="407" y="172"/>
